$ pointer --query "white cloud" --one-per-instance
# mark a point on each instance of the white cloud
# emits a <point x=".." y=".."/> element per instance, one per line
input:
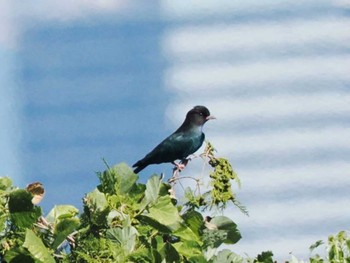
<point x="8" y="28"/>
<point x="65" y="9"/>
<point x="15" y="16"/>
<point x="342" y="3"/>
<point x="200" y="76"/>
<point x="198" y="41"/>
<point x="230" y="109"/>
<point x="273" y="71"/>
<point x="322" y="174"/>
<point x="297" y="212"/>
<point x="281" y="247"/>
<point x="203" y="8"/>
<point x="9" y="119"/>
<point x="283" y="225"/>
<point x="284" y="142"/>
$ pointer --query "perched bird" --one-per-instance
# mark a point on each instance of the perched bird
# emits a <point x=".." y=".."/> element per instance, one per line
<point x="183" y="142"/>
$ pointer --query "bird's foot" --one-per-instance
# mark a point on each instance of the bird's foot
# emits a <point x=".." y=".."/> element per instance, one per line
<point x="181" y="165"/>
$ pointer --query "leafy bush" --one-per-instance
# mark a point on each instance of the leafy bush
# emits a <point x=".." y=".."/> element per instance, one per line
<point x="127" y="221"/>
<point x="122" y="221"/>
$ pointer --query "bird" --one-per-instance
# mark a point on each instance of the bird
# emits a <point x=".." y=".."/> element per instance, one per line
<point x="186" y="140"/>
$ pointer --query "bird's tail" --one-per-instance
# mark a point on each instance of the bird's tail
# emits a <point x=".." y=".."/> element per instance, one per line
<point x="139" y="167"/>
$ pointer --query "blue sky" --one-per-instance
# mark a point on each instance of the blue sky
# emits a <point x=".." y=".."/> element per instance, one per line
<point x="111" y="79"/>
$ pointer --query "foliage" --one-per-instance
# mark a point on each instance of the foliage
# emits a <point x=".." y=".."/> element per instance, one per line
<point x="143" y="223"/>
<point x="26" y="236"/>
<point x="124" y="220"/>
<point x="220" y="193"/>
<point x="338" y="249"/>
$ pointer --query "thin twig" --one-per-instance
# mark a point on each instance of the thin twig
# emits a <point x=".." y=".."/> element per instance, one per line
<point x="173" y="179"/>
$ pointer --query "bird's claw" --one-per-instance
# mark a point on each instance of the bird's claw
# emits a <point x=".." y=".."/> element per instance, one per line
<point x="181" y="165"/>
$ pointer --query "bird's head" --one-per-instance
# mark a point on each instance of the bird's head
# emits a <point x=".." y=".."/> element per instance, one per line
<point x="198" y="116"/>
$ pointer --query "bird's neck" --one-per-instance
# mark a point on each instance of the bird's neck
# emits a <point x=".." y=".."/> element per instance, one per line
<point x="192" y="128"/>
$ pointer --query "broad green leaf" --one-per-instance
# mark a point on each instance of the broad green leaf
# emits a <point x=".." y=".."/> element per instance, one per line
<point x="60" y="212"/>
<point x="125" y="236"/>
<point x="148" y="221"/>
<point x="98" y="206"/>
<point x="22" y="211"/>
<point x="315" y="245"/>
<point x="18" y="255"/>
<point x="117" y="180"/>
<point x="111" y="216"/>
<point x="96" y="200"/>
<point x="265" y="257"/>
<point x="165" y="213"/>
<point x="226" y="256"/>
<point x="115" y="217"/>
<point x="20" y="201"/>
<point x="226" y="224"/>
<point x="37" y="248"/>
<point x="26" y="219"/>
<point x="169" y="253"/>
<point x="197" y="259"/>
<point x="143" y="255"/>
<point x="5" y="183"/>
<point x="64" y="228"/>
<point x="188" y="248"/>
<point x="126" y="177"/>
<point x="152" y="191"/>
<point x="214" y="238"/>
<point x="194" y="220"/>
<point x="186" y="233"/>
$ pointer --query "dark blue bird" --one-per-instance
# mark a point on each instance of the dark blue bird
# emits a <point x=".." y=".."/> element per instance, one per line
<point x="183" y="142"/>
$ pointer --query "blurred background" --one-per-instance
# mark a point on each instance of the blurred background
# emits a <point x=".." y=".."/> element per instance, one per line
<point x="85" y="80"/>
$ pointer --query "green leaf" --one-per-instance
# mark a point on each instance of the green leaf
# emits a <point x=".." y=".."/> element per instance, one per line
<point x="194" y="220"/>
<point x="117" y="180"/>
<point x="20" y="201"/>
<point x="5" y="183"/>
<point x="169" y="253"/>
<point x="64" y="228"/>
<point x="165" y="213"/>
<point x="143" y="255"/>
<point x="148" y="221"/>
<point x="188" y="248"/>
<point x="315" y="245"/>
<point x="26" y="219"/>
<point x="226" y="224"/>
<point x="186" y="233"/>
<point x="226" y="232"/>
<point x="126" y="176"/>
<point x="153" y="186"/>
<point x="22" y="212"/>
<point x="265" y="257"/>
<point x="96" y="200"/>
<point x="125" y="236"/>
<point x="214" y="238"/>
<point x="37" y="248"/>
<point x="18" y="255"/>
<point x="226" y="256"/>
<point x="98" y="207"/>
<point x="59" y="212"/>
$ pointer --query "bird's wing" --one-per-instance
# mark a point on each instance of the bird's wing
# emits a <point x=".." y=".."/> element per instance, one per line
<point x="178" y="146"/>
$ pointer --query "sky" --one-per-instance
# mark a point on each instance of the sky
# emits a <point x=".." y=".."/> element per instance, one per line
<point x="84" y="81"/>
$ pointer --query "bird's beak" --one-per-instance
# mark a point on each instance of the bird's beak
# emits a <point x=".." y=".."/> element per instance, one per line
<point x="210" y="117"/>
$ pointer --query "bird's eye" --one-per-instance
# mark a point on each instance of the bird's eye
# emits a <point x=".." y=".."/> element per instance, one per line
<point x="201" y="113"/>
